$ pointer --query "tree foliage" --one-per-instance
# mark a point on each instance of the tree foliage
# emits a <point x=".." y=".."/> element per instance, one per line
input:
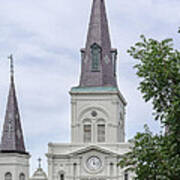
<point x="157" y="156"/>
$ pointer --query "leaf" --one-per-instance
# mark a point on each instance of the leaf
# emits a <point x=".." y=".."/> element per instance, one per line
<point x="158" y="67"/>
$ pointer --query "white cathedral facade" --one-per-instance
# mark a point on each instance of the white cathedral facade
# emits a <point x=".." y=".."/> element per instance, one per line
<point x="97" y="120"/>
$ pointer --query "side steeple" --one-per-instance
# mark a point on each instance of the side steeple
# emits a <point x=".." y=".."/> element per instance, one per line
<point x="12" y="136"/>
<point x="98" y="58"/>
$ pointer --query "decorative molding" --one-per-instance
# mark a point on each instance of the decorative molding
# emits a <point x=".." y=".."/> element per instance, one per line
<point x="112" y="125"/>
<point x="73" y="102"/>
<point x="90" y="108"/>
<point x="86" y="59"/>
<point x="106" y="59"/>
<point x="115" y="102"/>
<point x="76" y="125"/>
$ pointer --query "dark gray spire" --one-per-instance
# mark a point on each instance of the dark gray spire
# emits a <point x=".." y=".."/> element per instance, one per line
<point x="98" y="58"/>
<point x="12" y="136"/>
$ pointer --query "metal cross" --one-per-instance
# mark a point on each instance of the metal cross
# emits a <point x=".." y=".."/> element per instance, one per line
<point x="11" y="64"/>
<point x="39" y="162"/>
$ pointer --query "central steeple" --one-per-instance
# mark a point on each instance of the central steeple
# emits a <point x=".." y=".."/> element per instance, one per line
<point x="98" y="58"/>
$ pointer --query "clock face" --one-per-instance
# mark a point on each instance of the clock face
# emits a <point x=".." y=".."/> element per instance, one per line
<point x="94" y="163"/>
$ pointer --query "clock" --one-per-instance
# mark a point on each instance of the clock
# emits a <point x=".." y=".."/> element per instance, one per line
<point x="94" y="163"/>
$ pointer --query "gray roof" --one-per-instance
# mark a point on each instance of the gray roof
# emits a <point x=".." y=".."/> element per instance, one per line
<point x="12" y="136"/>
<point x="98" y="33"/>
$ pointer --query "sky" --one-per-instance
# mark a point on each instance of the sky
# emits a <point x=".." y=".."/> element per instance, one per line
<point x="45" y="37"/>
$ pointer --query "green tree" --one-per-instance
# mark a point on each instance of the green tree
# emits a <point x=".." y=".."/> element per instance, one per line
<point x="157" y="156"/>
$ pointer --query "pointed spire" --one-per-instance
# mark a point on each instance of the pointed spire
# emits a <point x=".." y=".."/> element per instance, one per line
<point x="12" y="136"/>
<point x="11" y="65"/>
<point x="98" y="58"/>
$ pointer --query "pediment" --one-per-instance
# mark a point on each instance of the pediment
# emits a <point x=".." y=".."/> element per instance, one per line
<point x="96" y="148"/>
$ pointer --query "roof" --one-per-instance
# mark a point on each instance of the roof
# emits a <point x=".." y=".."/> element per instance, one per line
<point x="12" y="135"/>
<point x="39" y="174"/>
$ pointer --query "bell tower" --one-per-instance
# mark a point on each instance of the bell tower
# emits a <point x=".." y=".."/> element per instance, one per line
<point x="97" y="113"/>
<point x="98" y="107"/>
<point x="14" y="160"/>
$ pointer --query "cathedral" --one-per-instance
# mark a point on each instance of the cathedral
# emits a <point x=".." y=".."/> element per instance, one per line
<point x="97" y="119"/>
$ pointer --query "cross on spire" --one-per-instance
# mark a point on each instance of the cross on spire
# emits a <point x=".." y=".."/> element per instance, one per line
<point x="39" y="160"/>
<point x="11" y="64"/>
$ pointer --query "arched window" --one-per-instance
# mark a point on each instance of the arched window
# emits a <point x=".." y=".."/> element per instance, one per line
<point x="96" y="56"/>
<point x="21" y="176"/>
<point x="87" y="130"/>
<point x="111" y="169"/>
<point x="74" y="170"/>
<point x="101" y="132"/>
<point x="87" y="133"/>
<point x="8" y="176"/>
<point x="126" y="176"/>
<point x="61" y="176"/>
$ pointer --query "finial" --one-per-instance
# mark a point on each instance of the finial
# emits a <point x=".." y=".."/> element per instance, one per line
<point x="39" y="160"/>
<point x="11" y="65"/>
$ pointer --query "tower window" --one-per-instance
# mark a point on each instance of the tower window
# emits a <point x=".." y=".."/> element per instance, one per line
<point x="87" y="133"/>
<point x="111" y="168"/>
<point x="61" y="176"/>
<point x="126" y="176"/>
<point x="8" y="176"/>
<point x="101" y="132"/>
<point x="74" y="170"/>
<point x="96" y="56"/>
<point x="21" y="176"/>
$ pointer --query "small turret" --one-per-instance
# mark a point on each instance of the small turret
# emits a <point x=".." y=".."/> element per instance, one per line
<point x="39" y="174"/>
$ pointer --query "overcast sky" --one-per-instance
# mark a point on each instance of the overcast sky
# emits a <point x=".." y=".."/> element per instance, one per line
<point x="45" y="37"/>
